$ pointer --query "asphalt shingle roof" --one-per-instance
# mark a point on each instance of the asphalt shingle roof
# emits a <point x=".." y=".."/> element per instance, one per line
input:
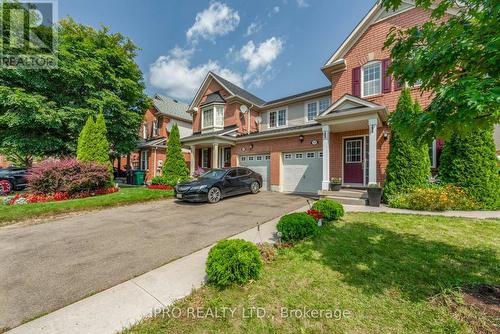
<point x="295" y="96"/>
<point x="239" y="91"/>
<point x="170" y="107"/>
<point x="214" y="98"/>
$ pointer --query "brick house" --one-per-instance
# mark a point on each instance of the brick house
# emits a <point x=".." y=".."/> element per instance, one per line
<point x="299" y="142"/>
<point x="153" y="133"/>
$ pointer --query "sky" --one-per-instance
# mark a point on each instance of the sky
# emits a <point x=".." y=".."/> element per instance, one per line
<point x="272" y="48"/>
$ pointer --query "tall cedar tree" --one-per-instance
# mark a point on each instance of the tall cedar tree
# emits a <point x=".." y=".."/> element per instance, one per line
<point x="175" y="169"/>
<point x="409" y="164"/>
<point x="470" y="162"/>
<point x="93" y="144"/>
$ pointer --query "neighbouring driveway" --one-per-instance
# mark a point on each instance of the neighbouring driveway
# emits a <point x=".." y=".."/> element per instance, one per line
<point x="45" y="267"/>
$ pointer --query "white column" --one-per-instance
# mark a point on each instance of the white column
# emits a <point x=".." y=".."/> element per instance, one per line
<point x="326" y="158"/>
<point x="193" y="159"/>
<point x="215" y="156"/>
<point x="372" y="156"/>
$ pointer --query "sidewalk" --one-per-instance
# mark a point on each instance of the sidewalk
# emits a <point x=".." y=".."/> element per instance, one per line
<point x="462" y="214"/>
<point x="123" y="305"/>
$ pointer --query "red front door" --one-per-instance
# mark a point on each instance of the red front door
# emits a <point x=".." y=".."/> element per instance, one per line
<point x="353" y="160"/>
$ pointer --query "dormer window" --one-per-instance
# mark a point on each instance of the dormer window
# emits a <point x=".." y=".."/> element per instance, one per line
<point x="371" y="79"/>
<point x="212" y="117"/>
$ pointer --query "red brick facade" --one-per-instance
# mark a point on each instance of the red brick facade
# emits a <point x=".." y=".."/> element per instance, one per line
<point x="367" y="48"/>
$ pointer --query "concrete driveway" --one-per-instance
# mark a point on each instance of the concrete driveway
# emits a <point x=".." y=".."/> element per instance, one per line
<point x="45" y="267"/>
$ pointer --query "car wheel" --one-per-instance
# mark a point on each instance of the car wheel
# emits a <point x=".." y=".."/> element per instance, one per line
<point x="5" y="187"/>
<point x="214" y="195"/>
<point x="254" y="187"/>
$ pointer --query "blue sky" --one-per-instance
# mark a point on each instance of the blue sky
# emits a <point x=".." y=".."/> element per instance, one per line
<point x="272" y="48"/>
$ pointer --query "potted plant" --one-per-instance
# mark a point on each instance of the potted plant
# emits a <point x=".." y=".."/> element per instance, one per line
<point x="335" y="184"/>
<point x="374" y="194"/>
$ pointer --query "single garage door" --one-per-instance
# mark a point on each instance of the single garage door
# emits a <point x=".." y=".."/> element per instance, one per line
<point x="259" y="164"/>
<point x="302" y="171"/>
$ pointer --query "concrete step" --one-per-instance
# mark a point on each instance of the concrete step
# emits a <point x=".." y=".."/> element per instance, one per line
<point x="358" y="194"/>
<point x="348" y="200"/>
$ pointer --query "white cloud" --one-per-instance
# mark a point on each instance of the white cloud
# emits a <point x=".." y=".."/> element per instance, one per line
<point x="263" y="55"/>
<point x="175" y="74"/>
<point x="302" y="3"/>
<point x="253" y="28"/>
<point x="275" y="10"/>
<point x="217" y="20"/>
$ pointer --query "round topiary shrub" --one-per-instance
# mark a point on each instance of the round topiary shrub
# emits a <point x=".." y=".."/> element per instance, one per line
<point x="233" y="262"/>
<point x="297" y="226"/>
<point x="331" y="210"/>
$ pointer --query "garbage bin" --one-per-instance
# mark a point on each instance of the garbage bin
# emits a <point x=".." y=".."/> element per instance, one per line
<point x="139" y="177"/>
<point x="130" y="176"/>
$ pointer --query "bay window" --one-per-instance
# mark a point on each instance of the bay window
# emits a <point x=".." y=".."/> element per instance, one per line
<point x="371" y="79"/>
<point x="213" y="117"/>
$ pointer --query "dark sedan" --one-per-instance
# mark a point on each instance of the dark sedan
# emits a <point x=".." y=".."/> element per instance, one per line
<point x="219" y="183"/>
<point x="12" y="178"/>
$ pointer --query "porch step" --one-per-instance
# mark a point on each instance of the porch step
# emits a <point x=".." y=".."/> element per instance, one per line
<point x="346" y="196"/>
<point x="351" y="193"/>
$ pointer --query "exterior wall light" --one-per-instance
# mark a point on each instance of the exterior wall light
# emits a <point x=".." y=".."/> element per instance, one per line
<point x="301" y="138"/>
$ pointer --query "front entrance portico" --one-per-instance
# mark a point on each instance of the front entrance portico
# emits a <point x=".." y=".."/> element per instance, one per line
<point x="350" y="134"/>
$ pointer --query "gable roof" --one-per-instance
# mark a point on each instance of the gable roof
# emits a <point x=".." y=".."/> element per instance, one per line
<point x="214" y="98"/>
<point x="238" y="91"/>
<point x="349" y="102"/>
<point x="170" y="107"/>
<point x="376" y="14"/>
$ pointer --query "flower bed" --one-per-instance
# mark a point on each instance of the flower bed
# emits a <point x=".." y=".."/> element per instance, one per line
<point x="31" y="198"/>
<point x="160" y="187"/>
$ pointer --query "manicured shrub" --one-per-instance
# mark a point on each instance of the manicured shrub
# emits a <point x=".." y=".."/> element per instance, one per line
<point x="330" y="210"/>
<point x="175" y="169"/>
<point x="67" y="175"/>
<point x="297" y="226"/>
<point x="434" y="198"/>
<point x="233" y="262"/>
<point x="93" y="145"/>
<point x="469" y="161"/>
<point x="159" y="180"/>
<point x="409" y="164"/>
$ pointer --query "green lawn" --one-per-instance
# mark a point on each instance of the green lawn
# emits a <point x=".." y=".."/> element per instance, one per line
<point x="387" y="271"/>
<point x="14" y="213"/>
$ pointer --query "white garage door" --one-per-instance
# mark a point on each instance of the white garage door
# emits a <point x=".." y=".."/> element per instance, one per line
<point x="259" y="164"/>
<point x="302" y="171"/>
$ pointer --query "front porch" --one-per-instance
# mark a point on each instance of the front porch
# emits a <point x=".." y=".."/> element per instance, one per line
<point x="354" y="137"/>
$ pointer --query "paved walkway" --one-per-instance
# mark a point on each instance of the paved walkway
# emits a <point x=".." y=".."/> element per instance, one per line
<point x="463" y="214"/>
<point x="48" y="266"/>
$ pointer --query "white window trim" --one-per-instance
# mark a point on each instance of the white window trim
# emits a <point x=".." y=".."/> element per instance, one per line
<point x="299" y="154"/>
<point x="204" y="151"/>
<point x="277" y="118"/>
<point x="318" y="111"/>
<point x="144" y="160"/>
<point x="287" y="156"/>
<point x="214" y="116"/>
<point x="363" y="78"/>
<point x="144" y="131"/>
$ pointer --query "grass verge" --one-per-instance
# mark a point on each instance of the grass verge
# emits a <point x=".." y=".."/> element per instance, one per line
<point x="16" y="213"/>
<point x="383" y="269"/>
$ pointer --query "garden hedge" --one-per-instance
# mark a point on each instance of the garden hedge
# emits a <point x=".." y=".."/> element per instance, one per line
<point x="469" y="161"/>
<point x="409" y="163"/>
<point x="330" y="210"/>
<point x="233" y="262"/>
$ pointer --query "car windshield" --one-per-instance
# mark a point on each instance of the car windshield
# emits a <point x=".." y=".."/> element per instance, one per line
<point x="213" y="174"/>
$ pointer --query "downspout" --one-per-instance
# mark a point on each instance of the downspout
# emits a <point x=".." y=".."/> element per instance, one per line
<point x="154" y="172"/>
<point x="249" y="118"/>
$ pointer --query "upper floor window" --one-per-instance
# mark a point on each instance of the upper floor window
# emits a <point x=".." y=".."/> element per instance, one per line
<point x="213" y="117"/>
<point x="277" y="118"/>
<point x="372" y="79"/>
<point x="144" y="131"/>
<point x="156" y="127"/>
<point x="313" y="109"/>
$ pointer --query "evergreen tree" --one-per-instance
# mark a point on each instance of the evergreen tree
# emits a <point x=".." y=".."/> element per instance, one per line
<point x="174" y="169"/>
<point x="409" y="164"/>
<point x="469" y="161"/>
<point x="84" y="150"/>
<point x="93" y="144"/>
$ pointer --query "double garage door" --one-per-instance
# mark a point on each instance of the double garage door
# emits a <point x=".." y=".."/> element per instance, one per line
<point x="302" y="171"/>
<point x="260" y="164"/>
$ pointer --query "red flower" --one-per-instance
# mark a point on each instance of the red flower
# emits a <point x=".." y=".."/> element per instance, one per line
<point x="160" y="187"/>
